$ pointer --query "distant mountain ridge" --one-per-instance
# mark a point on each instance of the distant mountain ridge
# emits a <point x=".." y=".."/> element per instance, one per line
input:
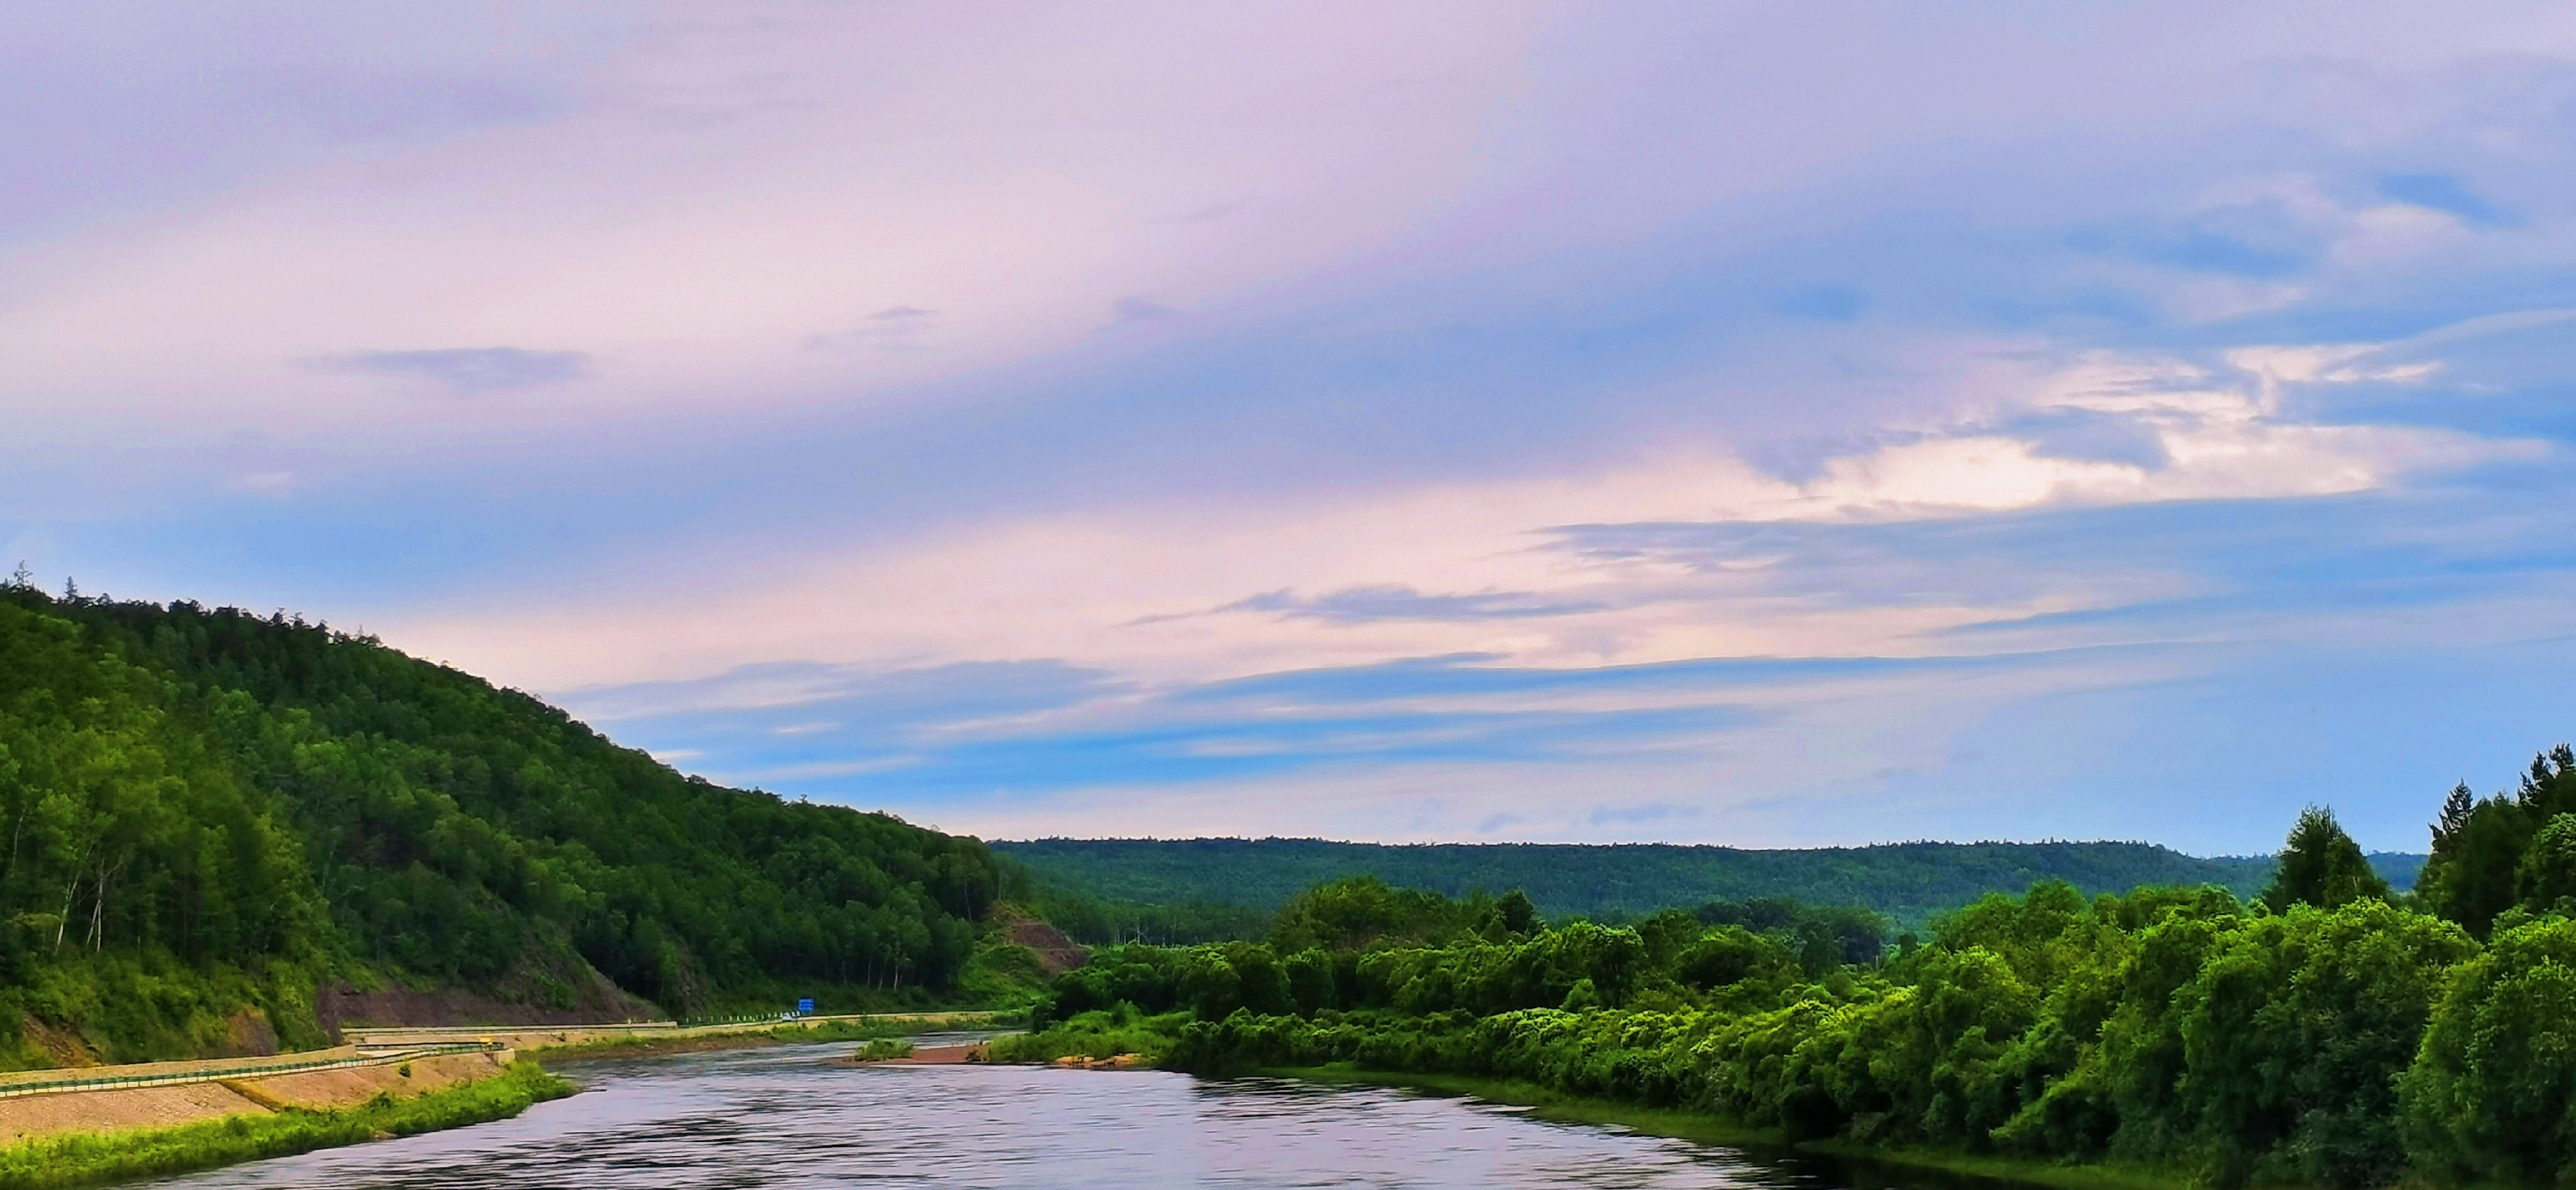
<point x="1906" y="881"/>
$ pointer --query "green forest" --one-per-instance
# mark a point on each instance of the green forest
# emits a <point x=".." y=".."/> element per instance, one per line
<point x="1213" y="889"/>
<point x="211" y="813"/>
<point x="2328" y="1030"/>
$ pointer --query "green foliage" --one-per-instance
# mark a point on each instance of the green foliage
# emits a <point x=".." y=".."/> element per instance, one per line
<point x="2477" y="869"/>
<point x="87" y="1159"/>
<point x="1097" y="921"/>
<point x="2293" y="1033"/>
<point x="2493" y="1094"/>
<point x="142" y="1004"/>
<point x="2326" y="1034"/>
<point x="1350" y="914"/>
<point x="2545" y="880"/>
<point x="194" y="792"/>
<point x="2321" y="866"/>
<point x="2173" y="1028"/>
<point x="1002" y="974"/>
<point x="1098" y="1035"/>
<point x="883" y="1049"/>
<point x="1611" y="883"/>
<point x="1823" y="937"/>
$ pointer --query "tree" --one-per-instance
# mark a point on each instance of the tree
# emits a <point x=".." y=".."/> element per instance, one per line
<point x="2294" y="1032"/>
<point x="2471" y="878"/>
<point x="2546" y="877"/>
<point x="2492" y="1092"/>
<point x="1518" y="914"/>
<point x="2550" y="786"/>
<point x="2455" y="815"/>
<point x="2321" y="866"/>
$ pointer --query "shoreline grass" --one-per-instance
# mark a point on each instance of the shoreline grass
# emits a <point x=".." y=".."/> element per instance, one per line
<point x="882" y="1049"/>
<point x="1549" y="1104"/>
<point x="85" y="1159"/>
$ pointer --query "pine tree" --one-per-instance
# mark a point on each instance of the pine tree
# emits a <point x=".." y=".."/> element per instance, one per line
<point x="2322" y="866"/>
<point x="2455" y="815"/>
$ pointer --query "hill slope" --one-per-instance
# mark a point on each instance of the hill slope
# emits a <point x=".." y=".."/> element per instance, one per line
<point x="209" y="813"/>
<point x="1906" y="881"/>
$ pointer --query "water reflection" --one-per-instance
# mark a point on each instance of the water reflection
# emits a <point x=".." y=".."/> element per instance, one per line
<point x="791" y="1117"/>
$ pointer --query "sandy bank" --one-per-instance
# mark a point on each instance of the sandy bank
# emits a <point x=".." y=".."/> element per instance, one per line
<point x="937" y="1055"/>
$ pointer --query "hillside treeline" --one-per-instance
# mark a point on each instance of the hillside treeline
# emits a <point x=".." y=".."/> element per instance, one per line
<point x="1213" y="889"/>
<point x="1360" y="943"/>
<point x="2325" y="1032"/>
<point x="207" y="810"/>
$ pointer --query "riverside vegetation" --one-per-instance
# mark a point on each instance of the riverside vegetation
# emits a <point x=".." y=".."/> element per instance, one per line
<point x="2325" y="1032"/>
<point x="206" y="815"/>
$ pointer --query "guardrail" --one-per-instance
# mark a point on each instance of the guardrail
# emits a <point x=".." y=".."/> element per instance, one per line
<point x="365" y="1035"/>
<point x="168" y="1078"/>
<point x="359" y="1036"/>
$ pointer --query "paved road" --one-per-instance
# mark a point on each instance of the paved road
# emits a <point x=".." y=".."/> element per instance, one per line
<point x="533" y="1037"/>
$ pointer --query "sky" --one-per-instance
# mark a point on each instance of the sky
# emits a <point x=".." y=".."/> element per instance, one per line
<point x="1755" y="423"/>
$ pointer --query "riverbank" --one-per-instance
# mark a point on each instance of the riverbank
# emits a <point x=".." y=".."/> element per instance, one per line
<point x="829" y="1030"/>
<point x="1548" y="1104"/>
<point x="259" y="1130"/>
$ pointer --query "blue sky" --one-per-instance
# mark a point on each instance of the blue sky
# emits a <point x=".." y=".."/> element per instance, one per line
<point x="1758" y="423"/>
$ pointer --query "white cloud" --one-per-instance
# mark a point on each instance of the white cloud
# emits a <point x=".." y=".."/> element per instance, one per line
<point x="1166" y="592"/>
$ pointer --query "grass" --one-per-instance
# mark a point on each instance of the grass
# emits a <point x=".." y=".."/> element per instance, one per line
<point x="1099" y="1034"/>
<point x="87" y="1159"/>
<point x="883" y="1049"/>
<point x="1548" y="1104"/>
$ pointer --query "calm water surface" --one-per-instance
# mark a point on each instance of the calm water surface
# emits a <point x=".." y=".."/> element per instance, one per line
<point x="787" y="1117"/>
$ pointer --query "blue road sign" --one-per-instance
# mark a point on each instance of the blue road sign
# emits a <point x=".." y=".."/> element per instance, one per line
<point x="804" y="1006"/>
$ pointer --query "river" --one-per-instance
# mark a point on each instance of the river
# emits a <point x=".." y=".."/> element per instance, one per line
<point x="791" y="1117"/>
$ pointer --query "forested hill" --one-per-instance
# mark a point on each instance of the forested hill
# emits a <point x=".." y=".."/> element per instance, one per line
<point x="209" y="814"/>
<point x="1906" y="881"/>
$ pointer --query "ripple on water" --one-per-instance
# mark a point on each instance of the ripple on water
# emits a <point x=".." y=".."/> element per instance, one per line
<point x="790" y="1117"/>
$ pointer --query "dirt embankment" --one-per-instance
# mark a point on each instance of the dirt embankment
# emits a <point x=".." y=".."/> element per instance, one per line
<point x="1058" y="953"/>
<point x="62" y="1045"/>
<point x="330" y="1090"/>
<point x="188" y="1103"/>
